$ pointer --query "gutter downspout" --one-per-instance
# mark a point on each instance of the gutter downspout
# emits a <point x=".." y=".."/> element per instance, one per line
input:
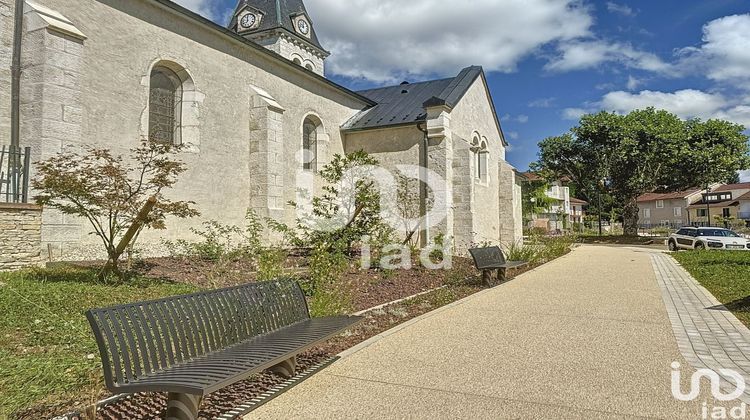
<point x="15" y="105"/>
<point x="423" y="164"/>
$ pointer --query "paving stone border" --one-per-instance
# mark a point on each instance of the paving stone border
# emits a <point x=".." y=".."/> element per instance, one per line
<point x="708" y="334"/>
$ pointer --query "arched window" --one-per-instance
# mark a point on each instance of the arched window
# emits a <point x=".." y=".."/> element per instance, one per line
<point x="297" y="61"/>
<point x="309" y="144"/>
<point x="165" y="106"/>
<point x="482" y="162"/>
<point x="309" y="67"/>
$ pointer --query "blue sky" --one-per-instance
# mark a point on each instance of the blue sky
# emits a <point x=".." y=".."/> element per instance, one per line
<point x="548" y="61"/>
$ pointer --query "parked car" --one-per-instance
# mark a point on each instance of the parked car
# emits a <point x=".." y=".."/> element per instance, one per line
<point x="707" y="238"/>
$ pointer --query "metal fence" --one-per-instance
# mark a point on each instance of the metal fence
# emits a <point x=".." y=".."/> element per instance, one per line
<point x="14" y="174"/>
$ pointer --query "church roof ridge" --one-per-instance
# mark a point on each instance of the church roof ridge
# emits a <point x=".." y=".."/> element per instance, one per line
<point x="405" y="103"/>
<point x="260" y="49"/>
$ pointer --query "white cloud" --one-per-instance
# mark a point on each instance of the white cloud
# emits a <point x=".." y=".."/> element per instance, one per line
<point x="513" y="135"/>
<point x="622" y="9"/>
<point x="575" y="114"/>
<point x="206" y="8"/>
<point x="543" y="103"/>
<point x="521" y="118"/>
<point x="633" y="83"/>
<point x="739" y="114"/>
<point x="724" y="55"/>
<point x="687" y="103"/>
<point x="588" y="54"/>
<point x="389" y="40"/>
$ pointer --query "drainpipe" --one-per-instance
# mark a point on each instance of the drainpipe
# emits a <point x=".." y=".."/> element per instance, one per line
<point x="15" y="114"/>
<point x="423" y="163"/>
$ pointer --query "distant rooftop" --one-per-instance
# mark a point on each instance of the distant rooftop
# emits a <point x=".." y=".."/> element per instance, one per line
<point x="667" y="196"/>
<point x="731" y="187"/>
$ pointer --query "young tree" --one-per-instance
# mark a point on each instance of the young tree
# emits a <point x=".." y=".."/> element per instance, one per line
<point x="112" y="193"/>
<point x="645" y="151"/>
<point x="349" y="208"/>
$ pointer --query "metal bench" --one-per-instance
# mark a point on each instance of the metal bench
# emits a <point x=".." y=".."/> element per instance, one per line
<point x="190" y="346"/>
<point x="492" y="258"/>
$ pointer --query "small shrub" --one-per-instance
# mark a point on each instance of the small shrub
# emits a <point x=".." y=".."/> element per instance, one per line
<point x="270" y="263"/>
<point x="330" y="296"/>
<point x="330" y="300"/>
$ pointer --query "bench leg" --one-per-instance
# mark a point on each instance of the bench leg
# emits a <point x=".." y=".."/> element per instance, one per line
<point x="285" y="368"/>
<point x="501" y="277"/>
<point x="486" y="280"/>
<point x="183" y="406"/>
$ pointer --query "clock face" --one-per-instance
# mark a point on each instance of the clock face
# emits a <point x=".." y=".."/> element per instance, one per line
<point x="248" y="21"/>
<point x="303" y="26"/>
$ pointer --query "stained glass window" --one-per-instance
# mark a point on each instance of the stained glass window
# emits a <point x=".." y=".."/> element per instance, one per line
<point x="309" y="144"/>
<point x="165" y="103"/>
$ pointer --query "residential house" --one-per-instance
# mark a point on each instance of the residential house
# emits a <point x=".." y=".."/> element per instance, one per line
<point x="745" y="207"/>
<point x="577" y="210"/>
<point x="731" y="201"/>
<point x="558" y="216"/>
<point x="667" y="209"/>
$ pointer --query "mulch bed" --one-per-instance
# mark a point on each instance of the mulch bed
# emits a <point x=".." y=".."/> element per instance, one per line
<point x="368" y="288"/>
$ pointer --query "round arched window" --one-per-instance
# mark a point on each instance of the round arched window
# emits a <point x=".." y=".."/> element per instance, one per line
<point x="165" y="104"/>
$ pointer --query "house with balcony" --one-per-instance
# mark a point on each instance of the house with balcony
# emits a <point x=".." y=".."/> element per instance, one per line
<point x="558" y="216"/>
<point x="730" y="202"/>
<point x="667" y="209"/>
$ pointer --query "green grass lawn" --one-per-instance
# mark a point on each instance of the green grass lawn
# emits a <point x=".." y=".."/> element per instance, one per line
<point x="48" y="355"/>
<point x="725" y="274"/>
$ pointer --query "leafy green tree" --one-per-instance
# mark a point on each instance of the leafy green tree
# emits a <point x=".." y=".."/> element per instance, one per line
<point x="644" y="151"/>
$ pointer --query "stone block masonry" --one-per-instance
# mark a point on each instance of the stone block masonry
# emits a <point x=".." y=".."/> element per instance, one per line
<point x="20" y="236"/>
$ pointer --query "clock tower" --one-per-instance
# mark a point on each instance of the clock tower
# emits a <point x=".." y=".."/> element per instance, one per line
<point x="282" y="26"/>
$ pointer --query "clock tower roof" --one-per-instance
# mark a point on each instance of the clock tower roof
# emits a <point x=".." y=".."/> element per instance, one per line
<point x="279" y="15"/>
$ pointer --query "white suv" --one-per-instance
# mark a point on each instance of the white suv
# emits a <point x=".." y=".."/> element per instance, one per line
<point x="707" y="238"/>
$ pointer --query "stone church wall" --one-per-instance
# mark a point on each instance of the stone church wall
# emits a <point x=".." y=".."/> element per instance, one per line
<point x="7" y="12"/>
<point x="107" y="80"/>
<point x="492" y="209"/>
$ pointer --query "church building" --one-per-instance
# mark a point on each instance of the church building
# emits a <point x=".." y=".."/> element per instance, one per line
<point x="252" y="107"/>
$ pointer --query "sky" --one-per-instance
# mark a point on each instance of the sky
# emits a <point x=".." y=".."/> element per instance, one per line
<point x="547" y="61"/>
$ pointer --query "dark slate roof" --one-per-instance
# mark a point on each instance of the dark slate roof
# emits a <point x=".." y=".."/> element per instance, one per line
<point x="405" y="104"/>
<point x="397" y="105"/>
<point x="278" y="14"/>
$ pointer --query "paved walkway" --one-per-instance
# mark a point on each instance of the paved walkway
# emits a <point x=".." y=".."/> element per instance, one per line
<point x="586" y="336"/>
<point x="708" y="335"/>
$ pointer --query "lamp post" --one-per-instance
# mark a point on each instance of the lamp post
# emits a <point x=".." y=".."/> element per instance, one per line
<point x="600" y="211"/>
<point x="708" y="205"/>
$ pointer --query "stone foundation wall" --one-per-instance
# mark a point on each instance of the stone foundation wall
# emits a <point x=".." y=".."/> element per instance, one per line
<point x="20" y="236"/>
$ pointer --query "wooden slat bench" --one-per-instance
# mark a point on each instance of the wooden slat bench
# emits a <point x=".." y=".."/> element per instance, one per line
<point x="190" y="346"/>
<point x="490" y="259"/>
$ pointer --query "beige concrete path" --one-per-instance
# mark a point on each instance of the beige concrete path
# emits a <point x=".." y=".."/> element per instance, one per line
<point x="584" y="337"/>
